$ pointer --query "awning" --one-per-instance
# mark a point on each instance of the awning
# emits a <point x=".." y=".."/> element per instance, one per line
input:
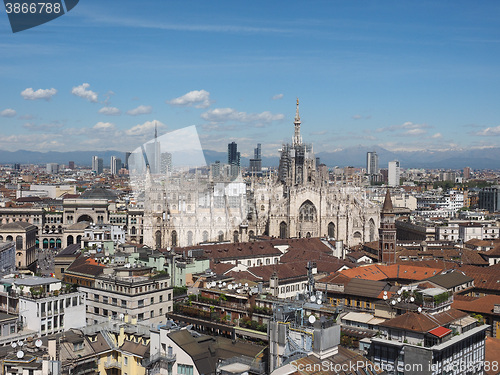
<point x="440" y="332"/>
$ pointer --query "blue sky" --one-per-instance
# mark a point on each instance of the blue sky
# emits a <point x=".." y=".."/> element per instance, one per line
<point x="401" y="75"/>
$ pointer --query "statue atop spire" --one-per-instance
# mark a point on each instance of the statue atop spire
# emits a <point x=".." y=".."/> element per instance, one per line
<point x="297" y="140"/>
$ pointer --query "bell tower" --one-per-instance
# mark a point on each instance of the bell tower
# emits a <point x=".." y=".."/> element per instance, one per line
<point x="387" y="232"/>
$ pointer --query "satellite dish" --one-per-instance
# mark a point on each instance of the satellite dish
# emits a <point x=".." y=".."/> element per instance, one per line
<point x="312" y="319"/>
<point x="412" y="299"/>
<point x="20" y="354"/>
<point x="385" y="297"/>
<point x="313" y="298"/>
<point x="419" y="309"/>
<point x="38" y="342"/>
<point x="230" y="286"/>
<point x="224" y="283"/>
<point x="393" y="302"/>
<point x="319" y="302"/>
<point x="399" y="299"/>
<point x="385" y="292"/>
<point x="239" y="284"/>
<point x="20" y="343"/>
<point x="399" y="291"/>
<point x="14" y="345"/>
<point x="246" y="285"/>
<point x="121" y="316"/>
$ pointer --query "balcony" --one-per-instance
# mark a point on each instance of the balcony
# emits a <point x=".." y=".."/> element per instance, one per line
<point x="164" y="358"/>
<point x="112" y="364"/>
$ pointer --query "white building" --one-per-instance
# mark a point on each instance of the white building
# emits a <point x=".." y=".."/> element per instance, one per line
<point x="394" y="173"/>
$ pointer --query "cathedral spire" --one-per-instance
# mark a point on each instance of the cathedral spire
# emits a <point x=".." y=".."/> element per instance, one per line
<point x="297" y="140"/>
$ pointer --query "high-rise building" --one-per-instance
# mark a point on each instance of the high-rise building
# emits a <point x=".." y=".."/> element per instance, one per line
<point x="166" y="163"/>
<point x="52" y="168"/>
<point x="97" y="165"/>
<point x="394" y="173"/>
<point x="71" y="165"/>
<point x="372" y="163"/>
<point x="466" y="173"/>
<point x="127" y="156"/>
<point x="116" y="165"/>
<point x="256" y="162"/>
<point x="233" y="158"/>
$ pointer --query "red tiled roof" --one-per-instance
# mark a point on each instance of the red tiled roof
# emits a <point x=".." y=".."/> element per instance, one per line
<point x="492" y="348"/>
<point x="440" y="331"/>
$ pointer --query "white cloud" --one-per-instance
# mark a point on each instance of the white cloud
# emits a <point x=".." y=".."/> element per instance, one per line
<point x="196" y="98"/>
<point x="147" y="128"/>
<point x="220" y="115"/>
<point x="110" y="111"/>
<point x="83" y="92"/>
<point x="30" y="94"/>
<point x="9" y="112"/>
<point x="437" y="135"/>
<point x="410" y="129"/>
<point x="104" y="126"/>
<point x="278" y="97"/>
<point x="141" y="110"/>
<point x="357" y="117"/>
<point x="495" y="131"/>
<point x="415" y="132"/>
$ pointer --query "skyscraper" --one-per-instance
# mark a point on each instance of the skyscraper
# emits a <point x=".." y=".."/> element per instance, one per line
<point x="233" y="158"/>
<point x="371" y="163"/>
<point x="166" y="163"/>
<point x="256" y="162"/>
<point x="394" y="173"/>
<point x="116" y="165"/>
<point x="97" y="165"/>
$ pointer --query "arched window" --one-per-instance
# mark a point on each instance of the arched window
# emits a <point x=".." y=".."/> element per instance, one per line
<point x="158" y="239"/>
<point x="190" y="238"/>
<point x="331" y="230"/>
<point x="283" y="230"/>
<point x="251" y="234"/>
<point x="174" y="238"/>
<point x="235" y="236"/>
<point x="205" y="236"/>
<point x="371" y="224"/>
<point x="220" y="236"/>
<point x="307" y="211"/>
<point x="70" y="240"/>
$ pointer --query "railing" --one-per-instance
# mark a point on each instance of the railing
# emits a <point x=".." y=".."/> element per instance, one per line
<point x="159" y="357"/>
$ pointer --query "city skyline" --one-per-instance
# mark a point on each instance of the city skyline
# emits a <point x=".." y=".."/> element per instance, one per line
<point x="395" y="75"/>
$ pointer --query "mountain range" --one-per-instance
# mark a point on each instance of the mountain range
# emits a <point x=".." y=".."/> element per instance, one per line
<point x="487" y="158"/>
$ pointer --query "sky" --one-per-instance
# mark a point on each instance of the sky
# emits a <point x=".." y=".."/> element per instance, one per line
<point x="394" y="74"/>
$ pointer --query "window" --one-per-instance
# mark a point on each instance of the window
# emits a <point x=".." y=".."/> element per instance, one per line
<point x="125" y="361"/>
<point x="140" y="316"/>
<point x="161" y="298"/>
<point x="152" y="300"/>
<point x="152" y="314"/>
<point x="77" y="346"/>
<point x="124" y="303"/>
<point x="184" y="369"/>
<point x="140" y="302"/>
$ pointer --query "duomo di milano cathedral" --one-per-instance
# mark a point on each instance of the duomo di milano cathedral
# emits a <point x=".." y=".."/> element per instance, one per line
<point x="189" y="207"/>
